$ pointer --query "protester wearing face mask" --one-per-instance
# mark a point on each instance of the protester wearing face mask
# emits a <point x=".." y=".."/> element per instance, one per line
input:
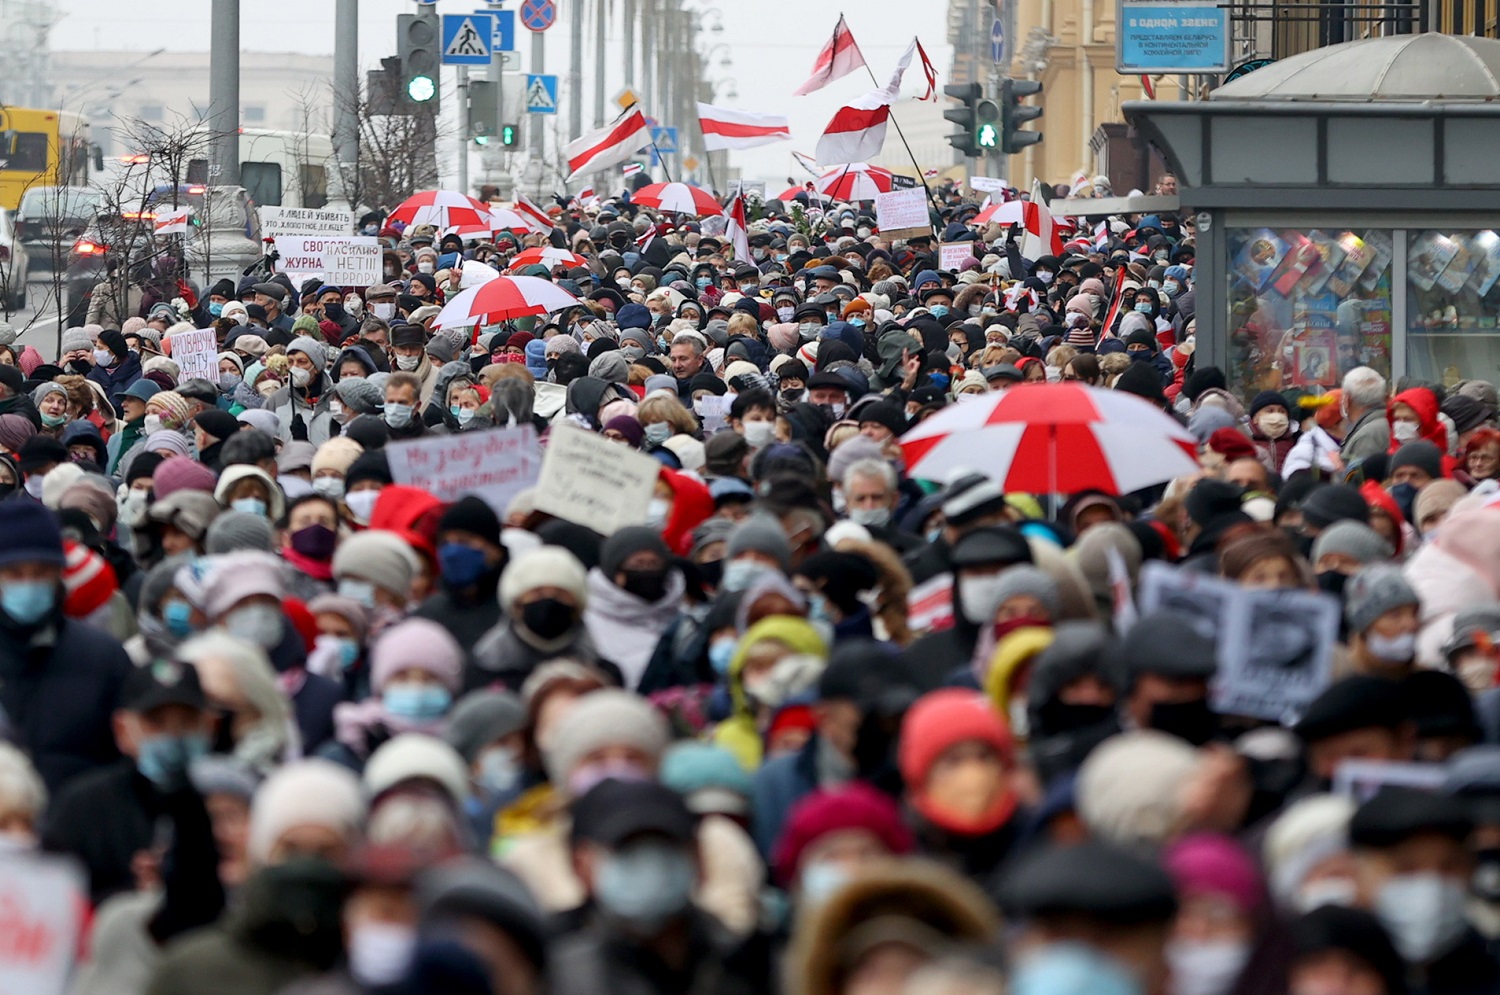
<point x="403" y="407"/>
<point x="106" y="819"/>
<point x="1413" y="869"/>
<point x="634" y="594"/>
<point x="1412" y="415"/>
<point x="303" y="404"/>
<point x="833" y="836"/>
<point x="115" y="366"/>
<point x="1272" y="429"/>
<point x="543" y="593"/>
<point x="376" y="568"/>
<point x="1383" y="614"/>
<point x="488" y="729"/>
<point x="1168" y="665"/>
<point x="408" y="355"/>
<point x="416" y="669"/>
<point x="471" y="560"/>
<point x="251" y="490"/>
<point x="1219" y="908"/>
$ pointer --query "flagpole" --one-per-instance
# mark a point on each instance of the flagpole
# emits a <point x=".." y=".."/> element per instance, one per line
<point x="663" y="160"/>
<point x="713" y="184"/>
<point x="910" y="154"/>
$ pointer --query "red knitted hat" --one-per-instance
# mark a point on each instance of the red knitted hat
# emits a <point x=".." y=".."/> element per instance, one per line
<point x="1231" y="443"/>
<point x="852" y="806"/>
<point x="88" y="579"/>
<point x="944" y="719"/>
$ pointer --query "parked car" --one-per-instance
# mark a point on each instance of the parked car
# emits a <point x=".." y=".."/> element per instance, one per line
<point x="222" y="241"/>
<point x="50" y="220"/>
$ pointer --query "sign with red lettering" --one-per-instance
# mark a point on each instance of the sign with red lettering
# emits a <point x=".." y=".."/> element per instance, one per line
<point x="42" y="905"/>
<point x="492" y="465"/>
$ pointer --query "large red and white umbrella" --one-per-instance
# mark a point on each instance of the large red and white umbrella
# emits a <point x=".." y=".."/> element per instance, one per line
<point x="1053" y="439"/>
<point x="502" y="299"/>
<point x="548" y="256"/>
<point x="855" y="181"/>
<point x="500" y="219"/>
<point x="442" y="209"/>
<point x="790" y="193"/>
<point x="680" y="198"/>
<point x="1009" y="212"/>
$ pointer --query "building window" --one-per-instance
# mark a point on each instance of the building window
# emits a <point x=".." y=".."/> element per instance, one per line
<point x="253" y="114"/>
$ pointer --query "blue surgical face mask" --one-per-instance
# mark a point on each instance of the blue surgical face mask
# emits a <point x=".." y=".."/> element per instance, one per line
<point x="215" y="308"/>
<point x="740" y="574"/>
<point x="819" y="880"/>
<point x="164" y="760"/>
<point x="859" y="322"/>
<point x="1144" y="306"/>
<point x="1073" y="967"/>
<point x="938" y="310"/>
<point x="657" y="432"/>
<point x="178" y="617"/>
<point x="397" y="415"/>
<point x="250" y="506"/>
<point x="703" y="282"/>
<point x="28" y="601"/>
<point x="417" y="702"/>
<point x="348" y="652"/>
<point x="462" y="415"/>
<point x="462" y="565"/>
<point x="646" y="884"/>
<point x="721" y="653"/>
<point x="357" y="590"/>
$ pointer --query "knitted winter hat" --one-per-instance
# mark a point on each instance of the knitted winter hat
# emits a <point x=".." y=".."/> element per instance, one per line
<point x="305" y="793"/>
<point x="379" y="557"/>
<point x="480" y="718"/>
<point x="233" y="577"/>
<point x="171" y="406"/>
<point x="761" y="534"/>
<point x="87" y="578"/>
<point x="312" y="349"/>
<point x="546" y="566"/>
<point x="412" y="756"/>
<point x="824" y="812"/>
<point x="1128" y="789"/>
<point x="338" y="453"/>
<point x="1374" y="591"/>
<point x="181" y="473"/>
<point x="235" y="530"/>
<point x="416" y="644"/>
<point x="607" y="717"/>
<point x="943" y="719"/>
<point x="1353" y="539"/>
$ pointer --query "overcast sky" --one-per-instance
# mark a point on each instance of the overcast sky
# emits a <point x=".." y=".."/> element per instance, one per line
<point x="772" y="47"/>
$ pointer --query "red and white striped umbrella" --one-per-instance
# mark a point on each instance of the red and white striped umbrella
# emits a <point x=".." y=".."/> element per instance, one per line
<point x="1053" y="439"/>
<point x="548" y="256"/>
<point x="855" y="181"/>
<point x="502" y="299"/>
<point x="1008" y="212"/>
<point x="790" y="193"/>
<point x="500" y="219"/>
<point x="442" y="209"/>
<point x="679" y="198"/>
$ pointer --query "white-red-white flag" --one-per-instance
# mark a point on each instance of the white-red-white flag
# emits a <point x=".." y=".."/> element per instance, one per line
<point x="840" y="57"/>
<point x="857" y="131"/>
<point x="631" y="168"/>
<point x="1148" y="87"/>
<point x="610" y="145"/>
<point x="536" y="219"/>
<point x="929" y="73"/>
<point x="736" y="228"/>
<point x="724" y="128"/>
<point x="1043" y="237"/>
<point x="173" y="222"/>
<point x="644" y="239"/>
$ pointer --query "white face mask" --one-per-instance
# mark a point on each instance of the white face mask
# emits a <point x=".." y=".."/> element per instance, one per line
<point x="380" y="952"/>
<point x="1424" y="913"/>
<point x="656" y="512"/>
<point x="337" y="411"/>
<point x="408" y="363"/>
<point x="424" y="267"/>
<point x="1392" y="649"/>
<point x="1405" y="431"/>
<point x="329" y="487"/>
<point x="362" y="505"/>
<point x="1273" y="424"/>
<point x="980" y="597"/>
<point x="871" y="517"/>
<point x="785" y="313"/>
<point x="1326" y="891"/>
<point x="1206" y="967"/>
<point x="300" y="377"/>
<point x="384" y="310"/>
<point x="152" y="424"/>
<point x="760" y="434"/>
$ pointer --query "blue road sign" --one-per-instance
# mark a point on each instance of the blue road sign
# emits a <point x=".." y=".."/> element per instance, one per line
<point x="541" y="94"/>
<point x="538" y="15"/>
<point x="505" y="30"/>
<point x="997" y="41"/>
<point x="663" y="143"/>
<point x="467" y="39"/>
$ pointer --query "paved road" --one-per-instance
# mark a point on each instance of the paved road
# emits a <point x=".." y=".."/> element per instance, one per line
<point x="38" y="321"/>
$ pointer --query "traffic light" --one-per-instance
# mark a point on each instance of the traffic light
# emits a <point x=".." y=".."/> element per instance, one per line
<point x="967" y="94"/>
<point x="483" y="110"/>
<point x="987" y="126"/>
<point x="509" y="135"/>
<point x="1014" y="114"/>
<point x="417" y="37"/>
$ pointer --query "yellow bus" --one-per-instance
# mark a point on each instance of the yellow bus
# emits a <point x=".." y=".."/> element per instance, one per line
<point x="41" y="148"/>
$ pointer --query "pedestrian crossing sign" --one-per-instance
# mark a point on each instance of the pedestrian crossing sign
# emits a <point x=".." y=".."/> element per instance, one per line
<point x="541" y="94"/>
<point x="467" y="39"/>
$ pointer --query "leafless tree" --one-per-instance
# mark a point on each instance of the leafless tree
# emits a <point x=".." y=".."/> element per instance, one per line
<point x="397" y="152"/>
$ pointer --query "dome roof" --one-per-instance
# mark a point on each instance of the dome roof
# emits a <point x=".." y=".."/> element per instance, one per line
<point x="1396" y="68"/>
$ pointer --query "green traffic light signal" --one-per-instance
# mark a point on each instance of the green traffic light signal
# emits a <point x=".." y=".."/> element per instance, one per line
<point x="421" y="89"/>
<point x="509" y="134"/>
<point x="988" y="136"/>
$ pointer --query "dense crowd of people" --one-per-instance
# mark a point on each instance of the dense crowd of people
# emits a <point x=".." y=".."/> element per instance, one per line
<point x="815" y="725"/>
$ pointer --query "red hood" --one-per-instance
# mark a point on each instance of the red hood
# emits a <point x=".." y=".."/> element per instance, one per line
<point x="691" y="505"/>
<point x="1425" y="404"/>
<point x="1378" y="497"/>
<point x="411" y="513"/>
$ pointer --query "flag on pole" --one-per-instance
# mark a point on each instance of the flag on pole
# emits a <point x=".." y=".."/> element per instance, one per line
<point x="644" y="240"/>
<point x="857" y="131"/>
<point x="610" y="145"/>
<point x="1101" y="236"/>
<point x="730" y="129"/>
<point x="1148" y="87"/>
<point x="736" y="228"/>
<point x="1106" y="331"/>
<point x="929" y="73"/>
<point x="536" y="219"/>
<point x="807" y="162"/>
<point x="173" y="222"/>
<point x="1042" y="235"/>
<point x="839" y="58"/>
<point x="929" y="173"/>
<point x="631" y="168"/>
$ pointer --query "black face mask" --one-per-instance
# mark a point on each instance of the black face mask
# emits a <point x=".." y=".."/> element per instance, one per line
<point x="711" y="572"/>
<point x="648" y="585"/>
<point x="333" y="312"/>
<point x="1056" y="717"/>
<point x="1333" y="582"/>
<point x="548" y="618"/>
<point x="1193" y="720"/>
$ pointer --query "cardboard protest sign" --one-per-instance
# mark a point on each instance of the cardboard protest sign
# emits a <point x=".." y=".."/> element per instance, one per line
<point x="43" y="900"/>
<point x="987" y="184"/>
<point x="494" y="466"/>
<point x="1274" y="648"/>
<point x="951" y="255"/>
<point x="589" y="480"/>
<point x="278" y="221"/>
<point x="902" y="213"/>
<point x="196" y="354"/>
<point x="352" y="261"/>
